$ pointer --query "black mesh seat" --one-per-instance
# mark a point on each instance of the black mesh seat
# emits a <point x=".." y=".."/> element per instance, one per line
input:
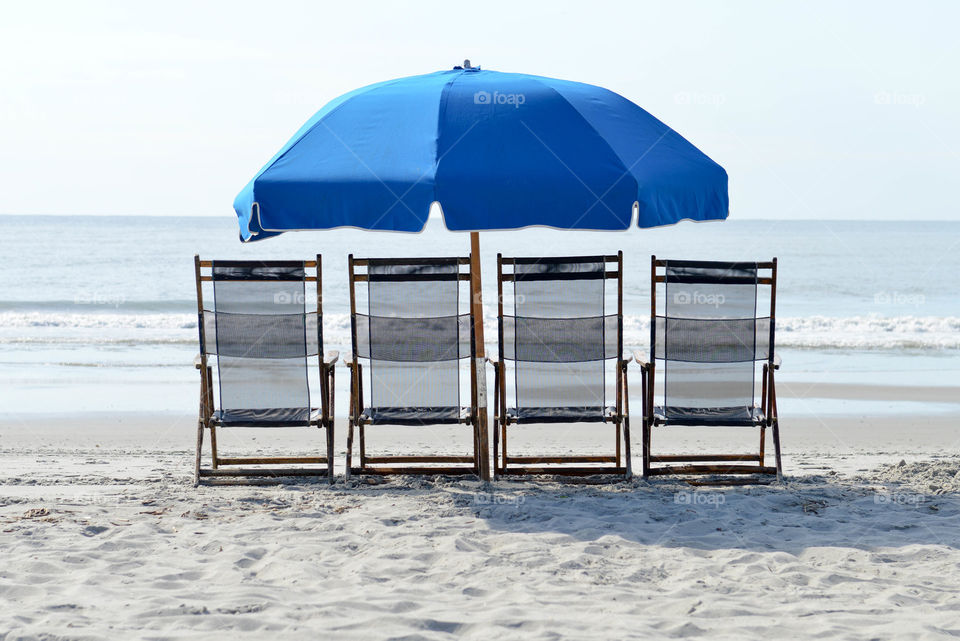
<point x="561" y="414"/>
<point x="261" y="335"/>
<point x="272" y="417"/>
<point x="412" y="346"/>
<point x="561" y="335"/>
<point x="708" y="416"/>
<point x="416" y="415"/>
<point x="708" y="339"/>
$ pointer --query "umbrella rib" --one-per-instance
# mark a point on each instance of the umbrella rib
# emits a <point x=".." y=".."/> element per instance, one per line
<point x="599" y="199"/>
<point x="424" y="174"/>
<point x="282" y="154"/>
<point x="642" y="156"/>
<point x="397" y="199"/>
<point x="369" y="169"/>
<point x="565" y="165"/>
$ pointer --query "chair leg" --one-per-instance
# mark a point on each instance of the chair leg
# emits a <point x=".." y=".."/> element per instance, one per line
<point x="496" y="449"/>
<point x="616" y="448"/>
<point x="196" y="468"/>
<point x="363" y="445"/>
<point x="477" y="464"/>
<point x="626" y="423"/>
<point x="349" y="448"/>
<point x="213" y="446"/>
<point x="331" y="396"/>
<point x="776" y="448"/>
<point x="503" y="446"/>
<point x="626" y="448"/>
<point x="775" y="424"/>
<point x="763" y="439"/>
<point x="330" y="451"/>
<point x="646" y="447"/>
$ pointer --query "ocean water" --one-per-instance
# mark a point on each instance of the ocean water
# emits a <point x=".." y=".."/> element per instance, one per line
<point x="99" y="313"/>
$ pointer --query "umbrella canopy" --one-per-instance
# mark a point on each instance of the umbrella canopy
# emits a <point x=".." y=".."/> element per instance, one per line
<point x="495" y="150"/>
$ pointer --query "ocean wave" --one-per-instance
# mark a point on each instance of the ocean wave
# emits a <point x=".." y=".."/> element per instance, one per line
<point x="97" y="320"/>
<point x="811" y="332"/>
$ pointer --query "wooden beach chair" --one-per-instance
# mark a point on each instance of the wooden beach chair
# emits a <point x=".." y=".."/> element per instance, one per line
<point x="415" y="340"/>
<point x="262" y="333"/>
<point x="708" y="334"/>
<point x="563" y="344"/>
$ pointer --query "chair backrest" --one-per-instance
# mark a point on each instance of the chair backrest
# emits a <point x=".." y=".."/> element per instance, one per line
<point x="561" y="333"/>
<point x="413" y="333"/>
<point x="709" y="333"/>
<point x="261" y="333"/>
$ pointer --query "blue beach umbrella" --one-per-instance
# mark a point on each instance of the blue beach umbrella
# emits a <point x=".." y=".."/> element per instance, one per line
<point x="494" y="150"/>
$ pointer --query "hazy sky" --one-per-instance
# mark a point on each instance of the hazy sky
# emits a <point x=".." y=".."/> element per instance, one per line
<point x="816" y="110"/>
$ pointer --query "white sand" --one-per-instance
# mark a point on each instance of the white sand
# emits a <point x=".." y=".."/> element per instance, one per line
<point x="113" y="542"/>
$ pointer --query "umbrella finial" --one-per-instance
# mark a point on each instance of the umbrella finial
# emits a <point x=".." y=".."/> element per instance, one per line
<point x="466" y="64"/>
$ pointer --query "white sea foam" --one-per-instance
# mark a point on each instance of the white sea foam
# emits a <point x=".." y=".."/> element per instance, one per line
<point x="12" y="320"/>
<point x="868" y="332"/>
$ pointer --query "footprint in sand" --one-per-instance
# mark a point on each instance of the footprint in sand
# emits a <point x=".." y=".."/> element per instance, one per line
<point x="93" y="530"/>
<point x="250" y="558"/>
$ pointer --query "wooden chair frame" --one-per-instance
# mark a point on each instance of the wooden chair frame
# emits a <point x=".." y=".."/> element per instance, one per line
<point x="712" y="464"/>
<point x="506" y="464"/>
<point x="231" y="466"/>
<point x="408" y="464"/>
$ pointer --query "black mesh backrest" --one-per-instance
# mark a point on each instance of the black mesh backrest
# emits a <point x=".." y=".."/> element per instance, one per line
<point x="413" y="334"/>
<point x="559" y="335"/>
<point x="710" y="335"/>
<point x="261" y="334"/>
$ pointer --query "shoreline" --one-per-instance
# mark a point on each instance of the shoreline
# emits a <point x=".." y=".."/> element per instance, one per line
<point x="806" y="399"/>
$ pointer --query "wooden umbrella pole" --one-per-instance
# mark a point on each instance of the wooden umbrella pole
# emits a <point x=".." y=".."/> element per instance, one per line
<point x="476" y="302"/>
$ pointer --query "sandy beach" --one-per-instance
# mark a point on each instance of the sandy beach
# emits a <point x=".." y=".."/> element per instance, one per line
<point x="105" y="537"/>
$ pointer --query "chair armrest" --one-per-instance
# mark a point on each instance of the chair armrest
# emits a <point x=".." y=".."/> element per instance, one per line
<point x="198" y="361"/>
<point x="331" y="357"/>
<point x="637" y="356"/>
